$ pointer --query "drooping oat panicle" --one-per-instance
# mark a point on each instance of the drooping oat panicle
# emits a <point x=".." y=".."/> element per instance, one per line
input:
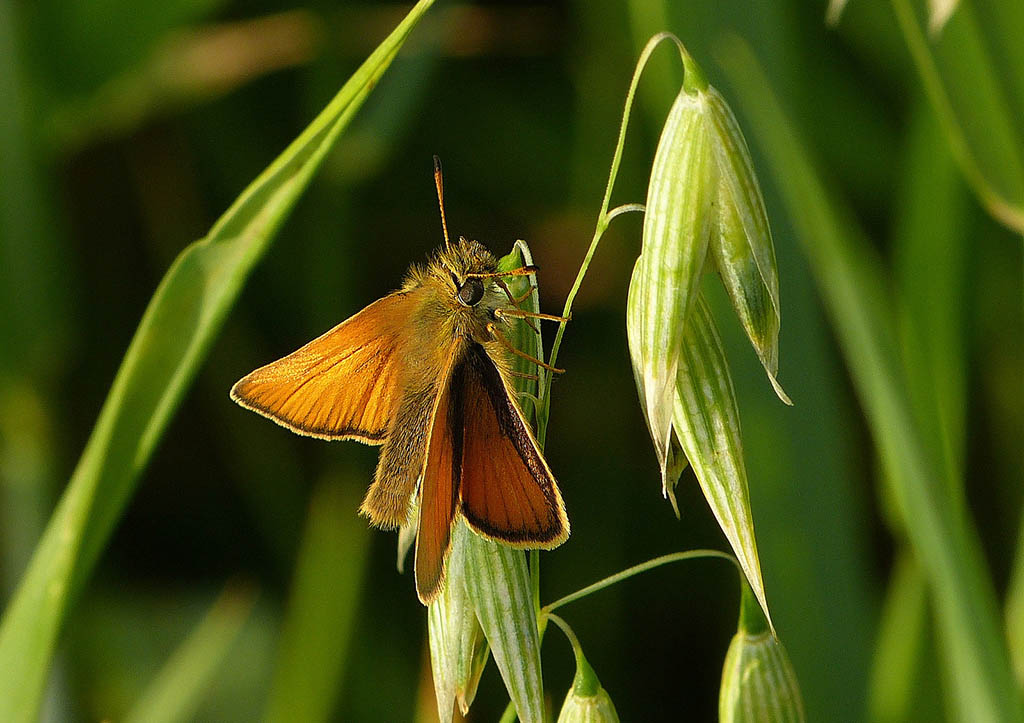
<point x="703" y="202"/>
<point x="758" y="682"/>
<point x="704" y="210"/>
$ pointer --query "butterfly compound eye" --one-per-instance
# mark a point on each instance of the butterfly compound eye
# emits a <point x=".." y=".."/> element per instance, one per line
<point x="471" y="292"/>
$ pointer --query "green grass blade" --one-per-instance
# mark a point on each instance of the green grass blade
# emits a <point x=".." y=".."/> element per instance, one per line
<point x="176" y="692"/>
<point x="929" y="243"/>
<point x="901" y="650"/>
<point x="1003" y="23"/>
<point x="969" y="94"/>
<point x="931" y="250"/>
<point x="1015" y="609"/>
<point x="176" y="330"/>
<point x="33" y="276"/>
<point x="321" y="611"/>
<point x="939" y="527"/>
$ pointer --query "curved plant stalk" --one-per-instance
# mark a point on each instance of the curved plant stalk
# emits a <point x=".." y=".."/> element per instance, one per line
<point x="604" y="218"/>
<point x="545" y="612"/>
<point x="170" y="344"/>
<point x="586" y="701"/>
<point x="636" y="570"/>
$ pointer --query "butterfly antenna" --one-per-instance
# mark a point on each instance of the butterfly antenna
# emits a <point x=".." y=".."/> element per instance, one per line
<point x="439" y="182"/>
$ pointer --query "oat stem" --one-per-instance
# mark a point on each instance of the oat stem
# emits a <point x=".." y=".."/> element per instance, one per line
<point x="605" y="216"/>
<point x="636" y="570"/>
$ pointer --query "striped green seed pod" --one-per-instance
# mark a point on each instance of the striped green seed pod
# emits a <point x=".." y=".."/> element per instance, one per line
<point x="587" y="701"/>
<point x="678" y="225"/>
<point x="458" y="649"/>
<point x="758" y="682"/>
<point x="704" y="210"/>
<point x="676" y="461"/>
<point x="742" y="246"/>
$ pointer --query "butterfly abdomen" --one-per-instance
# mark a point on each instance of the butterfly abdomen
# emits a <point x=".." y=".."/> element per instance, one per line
<point x="404" y="451"/>
<point x="401" y="459"/>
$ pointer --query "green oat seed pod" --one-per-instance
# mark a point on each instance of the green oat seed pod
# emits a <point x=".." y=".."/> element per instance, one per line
<point x="458" y="649"/>
<point x="586" y="701"/>
<point x="522" y="335"/>
<point x="593" y="708"/>
<point x="704" y="205"/>
<point x="676" y="461"/>
<point x="707" y="424"/>
<point x="498" y="584"/>
<point x="678" y="225"/>
<point x="742" y="245"/>
<point x="758" y="682"/>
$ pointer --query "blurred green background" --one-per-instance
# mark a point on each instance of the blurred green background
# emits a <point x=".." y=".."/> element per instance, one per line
<point x="126" y="130"/>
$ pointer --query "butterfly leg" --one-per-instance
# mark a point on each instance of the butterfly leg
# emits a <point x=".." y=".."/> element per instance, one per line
<point x="515" y="300"/>
<point x="532" y="377"/>
<point x="500" y="313"/>
<point x="493" y="329"/>
<point x="526" y="295"/>
<point x="522" y="314"/>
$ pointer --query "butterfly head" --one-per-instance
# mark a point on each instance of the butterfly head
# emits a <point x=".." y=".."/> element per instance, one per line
<point x="459" y="268"/>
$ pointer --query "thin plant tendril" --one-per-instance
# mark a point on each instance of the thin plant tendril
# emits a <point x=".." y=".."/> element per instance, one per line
<point x="636" y="570"/>
<point x="604" y="217"/>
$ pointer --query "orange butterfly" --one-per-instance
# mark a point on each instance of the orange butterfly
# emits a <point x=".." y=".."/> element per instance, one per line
<point x="425" y="372"/>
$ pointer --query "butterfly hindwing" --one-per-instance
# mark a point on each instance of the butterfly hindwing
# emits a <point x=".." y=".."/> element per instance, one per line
<point x="439" y="491"/>
<point x="342" y="385"/>
<point x="507" y="490"/>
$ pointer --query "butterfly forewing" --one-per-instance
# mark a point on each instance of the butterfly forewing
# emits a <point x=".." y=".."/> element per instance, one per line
<point x="507" y="491"/>
<point x="342" y="385"/>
